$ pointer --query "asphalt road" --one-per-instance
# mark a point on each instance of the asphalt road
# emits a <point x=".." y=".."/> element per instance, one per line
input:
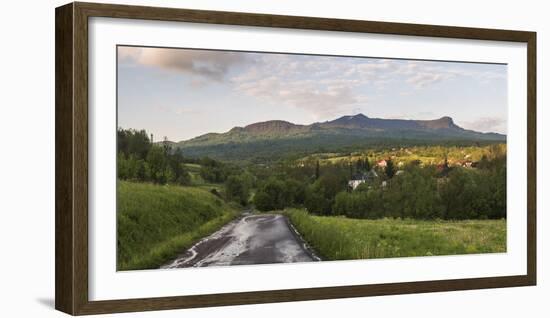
<point x="251" y="239"/>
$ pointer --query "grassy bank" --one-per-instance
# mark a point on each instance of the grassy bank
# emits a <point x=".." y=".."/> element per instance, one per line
<point x="338" y="238"/>
<point x="155" y="223"/>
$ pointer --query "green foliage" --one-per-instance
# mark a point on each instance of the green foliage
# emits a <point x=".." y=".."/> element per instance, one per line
<point x="237" y="188"/>
<point x="390" y="169"/>
<point x="415" y="191"/>
<point x="263" y="201"/>
<point x="338" y="238"/>
<point x="319" y="197"/>
<point x="139" y="160"/>
<point x="475" y="195"/>
<point x="317" y="170"/>
<point x="133" y="142"/>
<point x="216" y="171"/>
<point x="131" y="167"/>
<point x="157" y="166"/>
<point x="271" y="195"/>
<point x="359" y="204"/>
<point x="315" y="201"/>
<point x="276" y="194"/>
<point x="362" y="165"/>
<point x="414" y="194"/>
<point x="179" y="171"/>
<point x="419" y="193"/>
<point x="155" y="223"/>
<point x="295" y="192"/>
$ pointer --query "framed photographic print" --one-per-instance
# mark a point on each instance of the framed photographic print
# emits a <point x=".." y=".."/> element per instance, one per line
<point x="211" y="158"/>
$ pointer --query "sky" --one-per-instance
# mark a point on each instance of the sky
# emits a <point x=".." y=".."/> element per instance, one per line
<point x="184" y="93"/>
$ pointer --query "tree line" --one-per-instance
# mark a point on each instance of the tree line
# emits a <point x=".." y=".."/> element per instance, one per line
<point x="139" y="159"/>
<point x="418" y="192"/>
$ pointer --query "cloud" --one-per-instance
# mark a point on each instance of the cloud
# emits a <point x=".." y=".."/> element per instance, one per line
<point x="319" y="99"/>
<point x="180" y="111"/>
<point x="487" y="124"/>
<point x="208" y="64"/>
<point x="418" y="115"/>
<point x="325" y="85"/>
<point x="316" y="85"/>
<point x="423" y="74"/>
<point x="421" y="80"/>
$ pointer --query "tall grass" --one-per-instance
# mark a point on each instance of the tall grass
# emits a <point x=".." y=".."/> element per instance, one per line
<point x="339" y="238"/>
<point x="155" y="223"/>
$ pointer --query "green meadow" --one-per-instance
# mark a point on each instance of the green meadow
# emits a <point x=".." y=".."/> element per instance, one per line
<point x="156" y="222"/>
<point x="341" y="238"/>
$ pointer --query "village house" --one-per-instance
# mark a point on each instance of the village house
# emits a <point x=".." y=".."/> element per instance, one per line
<point x="354" y="183"/>
<point x="361" y="178"/>
<point x="466" y="164"/>
<point x="382" y="163"/>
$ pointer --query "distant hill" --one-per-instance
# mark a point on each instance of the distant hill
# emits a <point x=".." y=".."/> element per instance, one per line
<point x="277" y="138"/>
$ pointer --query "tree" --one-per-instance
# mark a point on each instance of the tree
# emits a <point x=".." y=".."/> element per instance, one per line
<point x="458" y="194"/>
<point x="317" y="170"/>
<point x="237" y="189"/>
<point x="320" y="196"/>
<point x="138" y="159"/>
<point x="166" y="145"/>
<point x="263" y="202"/>
<point x="366" y="164"/>
<point x="390" y="169"/>
<point x="271" y="195"/>
<point x="498" y="191"/>
<point x="315" y="202"/>
<point x="176" y="164"/>
<point x="413" y="194"/>
<point x="362" y="165"/>
<point x="181" y="174"/>
<point x="156" y="164"/>
<point x="350" y="166"/>
<point x="131" y="141"/>
<point x="212" y="170"/>
<point x="123" y="169"/>
<point x="295" y="192"/>
<point x="131" y="168"/>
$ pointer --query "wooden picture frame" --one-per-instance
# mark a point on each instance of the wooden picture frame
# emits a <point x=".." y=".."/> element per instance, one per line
<point x="71" y="90"/>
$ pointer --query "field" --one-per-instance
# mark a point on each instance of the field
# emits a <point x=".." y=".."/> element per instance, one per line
<point x="156" y="222"/>
<point x="339" y="238"/>
<point x="428" y="155"/>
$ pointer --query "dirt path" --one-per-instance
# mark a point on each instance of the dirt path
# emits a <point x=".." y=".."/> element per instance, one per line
<point x="251" y="239"/>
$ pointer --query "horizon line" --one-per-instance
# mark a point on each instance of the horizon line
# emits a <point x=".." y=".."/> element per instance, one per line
<point x="312" y="123"/>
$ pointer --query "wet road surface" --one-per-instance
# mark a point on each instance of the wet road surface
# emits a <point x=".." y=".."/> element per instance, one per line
<point x="250" y="239"/>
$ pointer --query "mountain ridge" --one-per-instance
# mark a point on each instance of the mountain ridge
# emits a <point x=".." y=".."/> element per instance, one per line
<point x="359" y="121"/>
<point x="344" y="131"/>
